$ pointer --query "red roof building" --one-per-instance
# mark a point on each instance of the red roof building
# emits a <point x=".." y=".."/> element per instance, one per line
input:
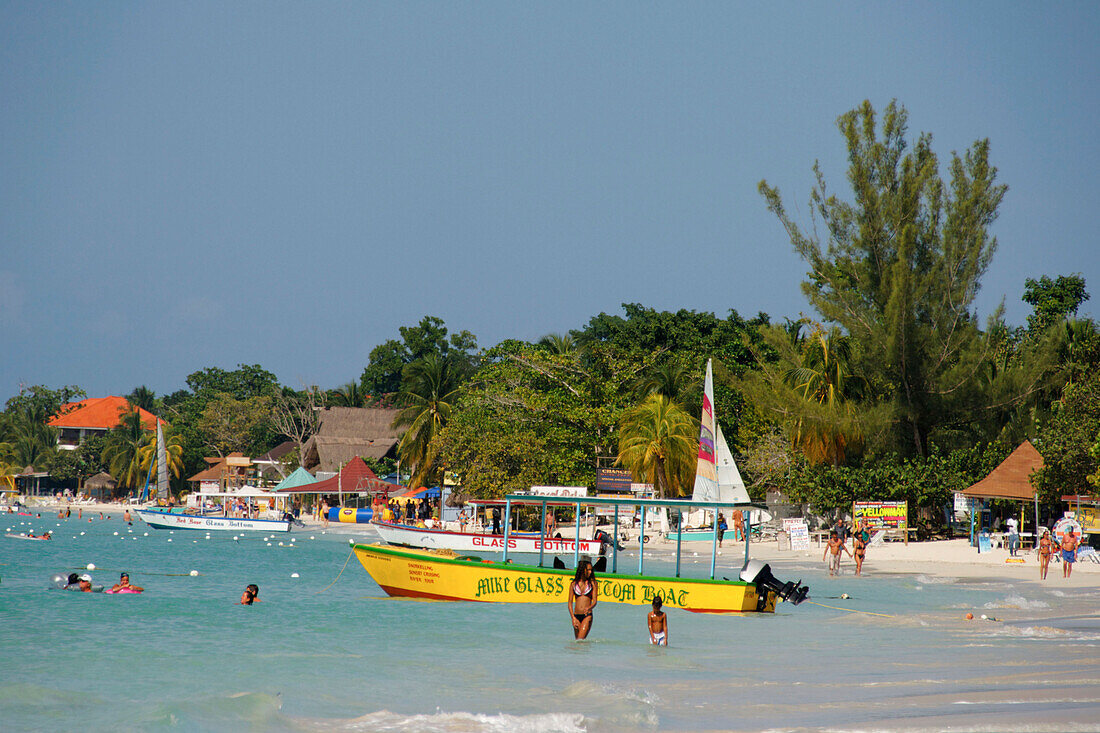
<point x="76" y="421"/>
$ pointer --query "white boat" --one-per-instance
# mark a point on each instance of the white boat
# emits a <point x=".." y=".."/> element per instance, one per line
<point x="160" y="519"/>
<point x="164" y="519"/>
<point x="463" y="542"/>
<point x="716" y="476"/>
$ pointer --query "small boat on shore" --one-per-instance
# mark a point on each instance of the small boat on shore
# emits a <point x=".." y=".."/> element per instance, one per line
<point x="465" y="542"/>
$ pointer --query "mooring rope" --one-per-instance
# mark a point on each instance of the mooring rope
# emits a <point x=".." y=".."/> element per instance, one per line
<point x="338" y="574"/>
<point x="852" y="610"/>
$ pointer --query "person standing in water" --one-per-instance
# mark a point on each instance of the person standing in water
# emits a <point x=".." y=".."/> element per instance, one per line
<point x="1046" y="547"/>
<point x="834" y="546"/>
<point x="251" y="595"/>
<point x="583" y="596"/>
<point x="658" y="624"/>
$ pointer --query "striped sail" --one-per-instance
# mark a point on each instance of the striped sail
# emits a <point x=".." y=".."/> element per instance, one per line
<point x="706" y="474"/>
<point x="162" y="464"/>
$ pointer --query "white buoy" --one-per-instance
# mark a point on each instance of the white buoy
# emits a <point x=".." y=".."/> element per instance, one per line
<point x="235" y="538"/>
<point x="90" y="566"/>
<point x="116" y="534"/>
<point x="81" y="534"/>
<point x="194" y="573"/>
<point x="269" y="544"/>
<point x="351" y="543"/>
<point x="294" y="575"/>
<point x="145" y="535"/>
<point x="169" y="539"/>
<point x="312" y="537"/>
<point x="280" y="544"/>
<point x="983" y="616"/>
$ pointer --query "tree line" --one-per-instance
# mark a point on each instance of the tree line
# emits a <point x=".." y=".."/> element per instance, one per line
<point x="892" y="388"/>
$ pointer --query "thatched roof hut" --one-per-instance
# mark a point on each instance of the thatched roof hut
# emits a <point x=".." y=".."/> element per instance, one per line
<point x="347" y="432"/>
<point x="102" y="483"/>
<point x="1011" y="479"/>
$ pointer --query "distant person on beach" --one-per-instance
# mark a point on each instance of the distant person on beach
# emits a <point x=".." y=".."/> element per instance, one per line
<point x="658" y="624"/>
<point x="1046" y="547"/>
<point x="834" y="546"/>
<point x="324" y="512"/>
<point x="496" y="520"/>
<point x="551" y="523"/>
<point x="738" y="525"/>
<point x="463" y="520"/>
<point x="1013" y="536"/>
<point x="583" y="595"/>
<point x="251" y="595"/>
<point x="721" y="529"/>
<point x="1069" y="552"/>
<point x="841" y="530"/>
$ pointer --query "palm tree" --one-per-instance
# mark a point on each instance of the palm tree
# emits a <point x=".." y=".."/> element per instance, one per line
<point x="658" y="443"/>
<point x="173" y="452"/>
<point x="124" y="446"/>
<point x="562" y="344"/>
<point x="826" y="431"/>
<point x="144" y="398"/>
<point x="351" y="394"/>
<point x="669" y="379"/>
<point x="429" y="389"/>
<point x="29" y="441"/>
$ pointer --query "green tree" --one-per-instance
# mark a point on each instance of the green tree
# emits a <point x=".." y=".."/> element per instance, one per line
<point x="388" y="360"/>
<point x="144" y="398"/>
<point x="123" y="450"/>
<point x="228" y="424"/>
<point x="41" y="400"/>
<point x="671" y="379"/>
<point x="659" y="444"/>
<point x="901" y="266"/>
<point x="351" y="394"/>
<point x="1065" y="441"/>
<point x="430" y="390"/>
<point x="1053" y="300"/>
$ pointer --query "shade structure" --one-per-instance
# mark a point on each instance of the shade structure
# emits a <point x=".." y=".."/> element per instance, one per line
<point x="432" y="492"/>
<point x="354" y="477"/>
<point x="1011" y="479"/>
<point x="300" y="477"/>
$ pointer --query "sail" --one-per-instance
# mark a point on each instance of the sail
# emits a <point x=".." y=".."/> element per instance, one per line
<point x="162" y="464"/>
<point x="706" y="474"/>
<point x="730" y="485"/>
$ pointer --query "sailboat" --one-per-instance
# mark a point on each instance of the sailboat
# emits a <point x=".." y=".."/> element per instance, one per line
<point x="716" y="476"/>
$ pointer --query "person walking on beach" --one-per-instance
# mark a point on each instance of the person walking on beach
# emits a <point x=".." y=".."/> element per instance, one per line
<point x="721" y="529"/>
<point x="834" y="546"/>
<point x="658" y="624"/>
<point x="1045" y="549"/>
<point x="841" y="530"/>
<point x="583" y="595"/>
<point x="1013" y="536"/>
<point x="859" y="549"/>
<point x="738" y="525"/>
<point x="551" y="523"/>
<point x="1069" y="552"/>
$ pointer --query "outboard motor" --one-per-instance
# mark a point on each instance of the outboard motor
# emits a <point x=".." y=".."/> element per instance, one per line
<point x="760" y="573"/>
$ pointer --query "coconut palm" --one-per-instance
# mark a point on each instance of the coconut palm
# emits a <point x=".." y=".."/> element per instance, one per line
<point x="28" y="440"/>
<point x="669" y="379"/>
<point x="351" y="394"/>
<point x="827" y="430"/>
<point x="559" y="343"/>
<point x="173" y="451"/>
<point x="429" y="389"/>
<point x="143" y="397"/>
<point x="124" y="446"/>
<point x="658" y="444"/>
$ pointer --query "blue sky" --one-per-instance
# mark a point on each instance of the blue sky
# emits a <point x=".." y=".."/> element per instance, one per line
<point x="198" y="184"/>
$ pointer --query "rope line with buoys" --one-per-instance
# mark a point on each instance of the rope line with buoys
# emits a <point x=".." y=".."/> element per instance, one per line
<point x="851" y="610"/>
<point x="338" y="574"/>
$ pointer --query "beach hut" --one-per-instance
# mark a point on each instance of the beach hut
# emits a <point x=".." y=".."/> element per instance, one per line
<point x="100" y="483"/>
<point x="350" y="432"/>
<point x="1011" y="480"/>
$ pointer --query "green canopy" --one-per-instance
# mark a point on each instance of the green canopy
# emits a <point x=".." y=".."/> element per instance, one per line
<point x="300" y="477"/>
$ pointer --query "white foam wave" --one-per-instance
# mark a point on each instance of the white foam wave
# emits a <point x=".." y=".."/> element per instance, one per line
<point x="936" y="580"/>
<point x="384" y="721"/>
<point x="1016" y="601"/>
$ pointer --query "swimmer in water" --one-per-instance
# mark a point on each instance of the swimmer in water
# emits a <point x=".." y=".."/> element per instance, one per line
<point x="658" y="624"/>
<point x="583" y="596"/>
<point x="251" y="595"/>
<point x="123" y="585"/>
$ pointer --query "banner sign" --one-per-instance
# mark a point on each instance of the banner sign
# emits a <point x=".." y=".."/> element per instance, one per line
<point x="881" y="514"/>
<point x="616" y="480"/>
<point x="571" y="491"/>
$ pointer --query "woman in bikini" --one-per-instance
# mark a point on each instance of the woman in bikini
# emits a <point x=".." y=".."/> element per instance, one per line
<point x="1046" y="547"/>
<point x="859" y="550"/>
<point x="583" y="594"/>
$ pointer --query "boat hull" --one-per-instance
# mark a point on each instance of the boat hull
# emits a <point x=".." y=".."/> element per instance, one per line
<point x="168" y="520"/>
<point x="464" y="542"/>
<point x="428" y="574"/>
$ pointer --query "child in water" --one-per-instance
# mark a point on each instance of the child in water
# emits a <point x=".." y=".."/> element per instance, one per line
<point x="658" y="624"/>
<point x="251" y="595"/>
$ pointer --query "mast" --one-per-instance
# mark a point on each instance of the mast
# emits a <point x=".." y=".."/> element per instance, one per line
<point x="706" y="473"/>
<point x="162" y="464"/>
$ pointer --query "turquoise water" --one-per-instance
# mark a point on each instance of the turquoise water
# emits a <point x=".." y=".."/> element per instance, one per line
<point x="182" y="656"/>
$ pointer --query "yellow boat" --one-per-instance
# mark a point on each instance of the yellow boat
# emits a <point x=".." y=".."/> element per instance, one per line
<point x="441" y="575"/>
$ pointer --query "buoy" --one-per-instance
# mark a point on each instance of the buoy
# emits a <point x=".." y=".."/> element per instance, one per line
<point x="984" y="617"/>
<point x="90" y="566"/>
<point x="969" y="617"/>
<point x="294" y="575"/>
<point x="169" y="539"/>
<point x="312" y="537"/>
<point x="269" y="544"/>
<point x="351" y="543"/>
<point x="280" y="544"/>
<point x="116" y="534"/>
<point x="194" y="573"/>
<point x="845" y="596"/>
<point x="235" y="538"/>
<point x="145" y="535"/>
<point x="81" y="534"/>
